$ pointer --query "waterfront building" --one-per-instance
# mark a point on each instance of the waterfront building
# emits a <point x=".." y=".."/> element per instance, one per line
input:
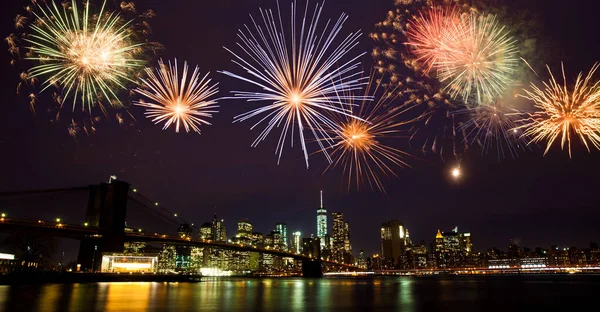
<point x="122" y="263"/>
<point x="166" y="259"/>
<point x="322" y="222"/>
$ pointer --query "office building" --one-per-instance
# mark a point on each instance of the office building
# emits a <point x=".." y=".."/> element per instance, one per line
<point x="218" y="229"/>
<point x="311" y="247"/>
<point x="341" y="249"/>
<point x="206" y="231"/>
<point x="394" y="243"/>
<point x="185" y="231"/>
<point x="322" y="223"/>
<point x="282" y="229"/>
<point x="297" y="242"/>
<point x="452" y="249"/>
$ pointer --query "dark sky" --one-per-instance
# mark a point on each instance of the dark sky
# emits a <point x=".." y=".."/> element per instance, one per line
<point x="537" y="200"/>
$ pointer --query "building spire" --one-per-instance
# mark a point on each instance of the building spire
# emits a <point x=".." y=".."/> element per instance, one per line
<point x="439" y="234"/>
<point x="321" y="198"/>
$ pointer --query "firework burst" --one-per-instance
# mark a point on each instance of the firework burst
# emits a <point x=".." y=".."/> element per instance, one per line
<point x="494" y="126"/>
<point x="481" y="63"/>
<point x="361" y="149"/>
<point x="430" y="35"/>
<point x="178" y="99"/>
<point x="300" y="79"/>
<point x="87" y="56"/>
<point x="562" y="111"/>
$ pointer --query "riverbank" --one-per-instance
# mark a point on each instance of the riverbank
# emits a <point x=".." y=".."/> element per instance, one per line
<point x="70" y="277"/>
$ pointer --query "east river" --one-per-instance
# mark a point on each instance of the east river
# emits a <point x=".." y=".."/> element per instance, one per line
<point x="452" y="293"/>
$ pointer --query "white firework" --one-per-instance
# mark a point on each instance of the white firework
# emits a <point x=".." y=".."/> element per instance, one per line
<point x="302" y="81"/>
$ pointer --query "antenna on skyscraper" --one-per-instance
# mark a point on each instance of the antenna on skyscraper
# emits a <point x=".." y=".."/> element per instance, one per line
<point x="321" y="198"/>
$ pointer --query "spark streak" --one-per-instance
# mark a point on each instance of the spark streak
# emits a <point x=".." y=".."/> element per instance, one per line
<point x="301" y="79"/>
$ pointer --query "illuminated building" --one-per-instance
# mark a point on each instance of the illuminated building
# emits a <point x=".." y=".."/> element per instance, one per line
<point x="322" y="223"/>
<point x="166" y="260"/>
<point x="218" y="229"/>
<point x="133" y="247"/>
<point x="282" y="228"/>
<point x="274" y="240"/>
<point x="452" y="249"/>
<point x="129" y="264"/>
<point x="244" y="228"/>
<point x="341" y="249"/>
<point x="338" y="231"/>
<point x="361" y="260"/>
<point x="244" y="234"/>
<point x="297" y="242"/>
<point x="311" y="247"/>
<point x="394" y="243"/>
<point x="184" y="231"/>
<point x="7" y="262"/>
<point x="196" y="259"/>
<point x="206" y="231"/>
<point x="183" y="255"/>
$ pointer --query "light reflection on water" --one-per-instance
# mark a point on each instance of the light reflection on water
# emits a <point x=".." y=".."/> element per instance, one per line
<point x="405" y="294"/>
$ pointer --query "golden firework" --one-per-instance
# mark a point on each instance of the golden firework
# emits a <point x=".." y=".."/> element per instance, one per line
<point x="178" y="99"/>
<point x="562" y="111"/>
<point x="363" y="142"/>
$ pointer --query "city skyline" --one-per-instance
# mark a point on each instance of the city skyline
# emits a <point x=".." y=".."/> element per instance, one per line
<point x="221" y="173"/>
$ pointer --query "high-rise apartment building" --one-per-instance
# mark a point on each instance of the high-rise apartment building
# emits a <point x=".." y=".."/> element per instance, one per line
<point x="322" y="223"/>
<point x="282" y="229"/>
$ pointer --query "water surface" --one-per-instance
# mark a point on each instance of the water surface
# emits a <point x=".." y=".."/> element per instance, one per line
<point x="506" y="294"/>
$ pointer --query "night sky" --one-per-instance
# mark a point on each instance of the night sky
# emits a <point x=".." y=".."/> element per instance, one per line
<point x="536" y="200"/>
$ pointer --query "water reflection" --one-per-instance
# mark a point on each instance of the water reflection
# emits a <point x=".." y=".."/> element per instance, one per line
<point x="405" y="294"/>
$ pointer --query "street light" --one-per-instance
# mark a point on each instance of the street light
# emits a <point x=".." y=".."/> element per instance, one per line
<point x="3" y="215"/>
<point x="85" y="224"/>
<point x="58" y="220"/>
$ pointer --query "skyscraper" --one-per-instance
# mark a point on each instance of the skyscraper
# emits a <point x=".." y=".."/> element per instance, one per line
<point x="393" y="242"/>
<point x="322" y="223"/>
<point x="297" y="242"/>
<point x="339" y="235"/>
<point x="347" y="245"/>
<point x="218" y="229"/>
<point x="282" y="229"/>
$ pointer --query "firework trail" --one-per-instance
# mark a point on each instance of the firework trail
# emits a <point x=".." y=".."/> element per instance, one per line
<point x="178" y="99"/>
<point x="494" y="126"/>
<point x="561" y="111"/>
<point x="362" y="148"/>
<point x="300" y="79"/>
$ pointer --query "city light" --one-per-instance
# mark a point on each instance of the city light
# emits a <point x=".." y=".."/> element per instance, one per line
<point x="3" y="215"/>
<point x="85" y="224"/>
<point x="57" y="219"/>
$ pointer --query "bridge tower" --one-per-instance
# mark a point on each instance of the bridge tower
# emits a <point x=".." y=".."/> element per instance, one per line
<point x="107" y="208"/>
